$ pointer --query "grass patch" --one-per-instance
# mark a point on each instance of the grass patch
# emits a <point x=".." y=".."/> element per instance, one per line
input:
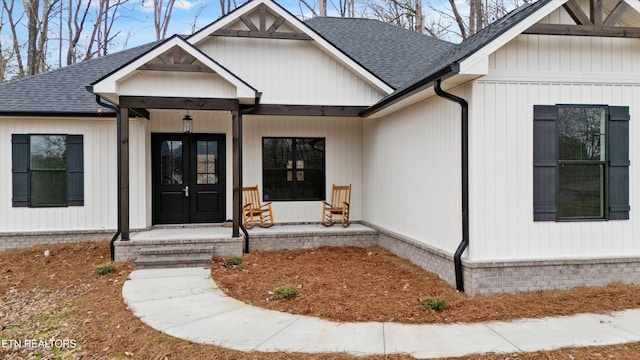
<point x="434" y="303"/>
<point x="233" y="261"/>
<point x="285" y="292"/>
<point x="105" y="269"/>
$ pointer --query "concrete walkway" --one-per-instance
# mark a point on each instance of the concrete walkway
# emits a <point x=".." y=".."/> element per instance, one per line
<point x="187" y="304"/>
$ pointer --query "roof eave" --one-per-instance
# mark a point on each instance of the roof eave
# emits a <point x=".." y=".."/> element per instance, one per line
<point x="444" y="73"/>
<point x="102" y="112"/>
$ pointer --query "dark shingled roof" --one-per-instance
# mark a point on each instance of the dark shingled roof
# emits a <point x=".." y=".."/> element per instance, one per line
<point x="63" y="91"/>
<point x="403" y="59"/>
<point x="391" y="53"/>
<point x="443" y="66"/>
<point x="475" y="42"/>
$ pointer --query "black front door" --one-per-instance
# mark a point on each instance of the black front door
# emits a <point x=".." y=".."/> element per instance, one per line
<point x="188" y="178"/>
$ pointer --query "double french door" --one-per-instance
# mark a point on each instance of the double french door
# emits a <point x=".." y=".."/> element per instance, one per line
<point x="188" y="178"/>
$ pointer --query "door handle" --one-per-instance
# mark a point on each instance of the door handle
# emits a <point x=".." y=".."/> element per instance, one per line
<point x="186" y="191"/>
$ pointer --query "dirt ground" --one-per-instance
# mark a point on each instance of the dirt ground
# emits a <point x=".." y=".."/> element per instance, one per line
<point x="72" y="313"/>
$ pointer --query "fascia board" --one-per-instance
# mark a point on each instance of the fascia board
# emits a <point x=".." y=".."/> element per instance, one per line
<point x="472" y="64"/>
<point x="635" y="4"/>
<point x="110" y="83"/>
<point x="298" y="25"/>
<point x="231" y="17"/>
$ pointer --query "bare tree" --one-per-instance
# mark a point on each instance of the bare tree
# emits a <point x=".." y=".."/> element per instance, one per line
<point x="37" y="33"/>
<point x="5" y="55"/>
<point x="77" y="15"/>
<point x="402" y="13"/>
<point x="226" y="6"/>
<point x="481" y="14"/>
<point x="8" y="6"/>
<point x="344" y="8"/>
<point x="101" y="36"/>
<point x="194" y="23"/>
<point x="161" y="16"/>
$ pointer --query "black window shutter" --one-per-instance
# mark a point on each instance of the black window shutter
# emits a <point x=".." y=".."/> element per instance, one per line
<point x="618" y="178"/>
<point x="20" y="169"/>
<point x="545" y="165"/>
<point x="75" y="170"/>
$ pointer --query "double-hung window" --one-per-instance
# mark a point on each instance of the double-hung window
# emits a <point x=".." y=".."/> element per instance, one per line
<point x="47" y="170"/>
<point x="581" y="162"/>
<point x="293" y="168"/>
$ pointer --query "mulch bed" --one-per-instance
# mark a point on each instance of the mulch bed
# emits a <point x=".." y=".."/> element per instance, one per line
<point x="60" y="296"/>
<point x="372" y="284"/>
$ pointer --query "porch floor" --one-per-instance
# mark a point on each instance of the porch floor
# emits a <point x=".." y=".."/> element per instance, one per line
<point x="215" y="231"/>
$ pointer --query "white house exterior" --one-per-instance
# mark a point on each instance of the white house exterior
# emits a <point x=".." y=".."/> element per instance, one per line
<point x="262" y="78"/>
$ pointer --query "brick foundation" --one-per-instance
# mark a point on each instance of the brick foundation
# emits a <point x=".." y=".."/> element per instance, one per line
<point x="23" y="240"/>
<point x="480" y="278"/>
<point x="309" y="240"/>
<point x="516" y="276"/>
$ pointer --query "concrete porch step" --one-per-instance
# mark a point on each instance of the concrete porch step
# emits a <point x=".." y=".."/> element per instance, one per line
<point x="177" y="250"/>
<point x="173" y="256"/>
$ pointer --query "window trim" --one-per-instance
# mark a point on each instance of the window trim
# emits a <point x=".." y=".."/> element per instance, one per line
<point x="294" y="168"/>
<point x="604" y="163"/>
<point x="545" y="163"/>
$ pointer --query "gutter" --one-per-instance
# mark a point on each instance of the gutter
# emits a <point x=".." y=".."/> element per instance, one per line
<point x="241" y="112"/>
<point x="464" y="106"/>
<point x="119" y="230"/>
<point x="441" y="74"/>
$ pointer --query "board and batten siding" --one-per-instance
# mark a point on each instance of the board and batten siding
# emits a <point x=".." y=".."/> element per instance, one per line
<point x="177" y="84"/>
<point x="545" y="70"/>
<point x="343" y="159"/>
<point x="291" y="72"/>
<point x="99" y="211"/>
<point x="412" y="172"/>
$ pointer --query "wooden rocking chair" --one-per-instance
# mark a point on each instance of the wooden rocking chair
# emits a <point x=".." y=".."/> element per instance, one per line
<point x="253" y="212"/>
<point x="338" y="208"/>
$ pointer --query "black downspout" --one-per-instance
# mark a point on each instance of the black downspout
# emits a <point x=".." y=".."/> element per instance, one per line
<point x="465" y="180"/>
<point x="240" y="113"/>
<point x="113" y="239"/>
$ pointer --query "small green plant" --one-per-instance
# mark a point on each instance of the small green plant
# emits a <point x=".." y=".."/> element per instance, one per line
<point x="434" y="303"/>
<point x="285" y="292"/>
<point x="233" y="261"/>
<point x="105" y="269"/>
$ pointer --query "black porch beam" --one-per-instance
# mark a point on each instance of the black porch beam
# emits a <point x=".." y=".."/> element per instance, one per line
<point x="237" y="200"/>
<point x="160" y="102"/>
<point x="123" y="143"/>
<point x="307" y="110"/>
<point x="139" y="112"/>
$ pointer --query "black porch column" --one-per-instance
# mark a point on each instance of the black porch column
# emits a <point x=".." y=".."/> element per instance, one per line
<point x="237" y="172"/>
<point x="123" y="172"/>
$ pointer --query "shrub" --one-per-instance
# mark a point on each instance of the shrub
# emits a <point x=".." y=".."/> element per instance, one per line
<point x="434" y="303"/>
<point x="233" y="261"/>
<point x="105" y="269"/>
<point x="285" y="292"/>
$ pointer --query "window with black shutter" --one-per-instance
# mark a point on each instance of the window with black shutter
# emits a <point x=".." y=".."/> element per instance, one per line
<point x="581" y="162"/>
<point x="47" y="170"/>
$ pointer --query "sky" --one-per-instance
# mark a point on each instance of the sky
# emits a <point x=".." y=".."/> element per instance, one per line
<point x="137" y="25"/>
